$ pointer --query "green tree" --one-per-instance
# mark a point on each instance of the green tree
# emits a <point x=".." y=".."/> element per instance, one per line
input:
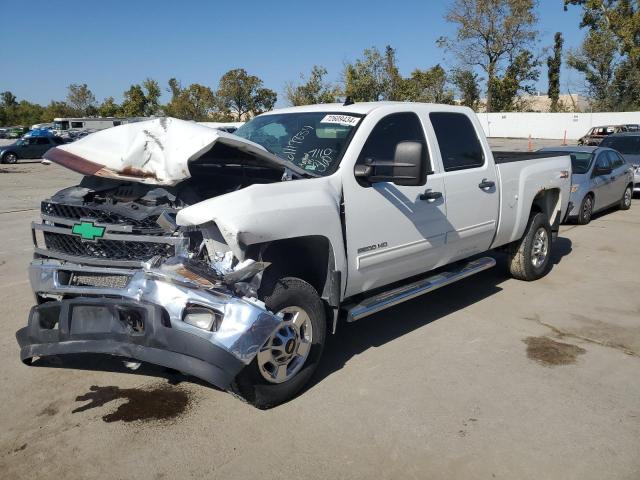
<point x="553" y="71"/>
<point x="367" y="79"/>
<point x="427" y="86"/>
<point x="613" y="22"/>
<point x="620" y="17"/>
<point x="242" y="94"/>
<point x="56" y="110"/>
<point x="394" y="82"/>
<point x="519" y="77"/>
<point x="81" y="99"/>
<point x="489" y="34"/>
<point x="597" y="60"/>
<point x="312" y="91"/>
<point x="135" y="102"/>
<point x="196" y="102"/>
<point x="109" y="108"/>
<point x="466" y="82"/>
<point x="152" y="96"/>
<point x="264" y="100"/>
<point x="8" y="106"/>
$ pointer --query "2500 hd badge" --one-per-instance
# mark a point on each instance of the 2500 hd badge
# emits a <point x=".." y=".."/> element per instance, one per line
<point x="373" y="247"/>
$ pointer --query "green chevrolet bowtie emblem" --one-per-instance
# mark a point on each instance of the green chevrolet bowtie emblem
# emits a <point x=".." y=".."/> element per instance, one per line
<point x="87" y="230"/>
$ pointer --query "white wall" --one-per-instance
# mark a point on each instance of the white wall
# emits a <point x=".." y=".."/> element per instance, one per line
<point x="550" y="125"/>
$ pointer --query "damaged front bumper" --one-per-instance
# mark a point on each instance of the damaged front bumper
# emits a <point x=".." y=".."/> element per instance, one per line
<point x="140" y="314"/>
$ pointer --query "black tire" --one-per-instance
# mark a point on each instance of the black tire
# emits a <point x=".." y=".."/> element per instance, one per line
<point x="586" y="210"/>
<point x="250" y="384"/>
<point x="625" y="201"/>
<point x="522" y="261"/>
<point x="9" y="157"/>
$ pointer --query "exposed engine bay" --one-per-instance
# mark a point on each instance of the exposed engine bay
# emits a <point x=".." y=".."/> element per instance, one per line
<point x="137" y="224"/>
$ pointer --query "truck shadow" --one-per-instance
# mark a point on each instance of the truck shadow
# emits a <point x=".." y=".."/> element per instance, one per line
<point x="356" y="338"/>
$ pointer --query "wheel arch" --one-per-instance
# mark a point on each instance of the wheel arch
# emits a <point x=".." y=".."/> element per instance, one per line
<point x="549" y="202"/>
<point x="310" y="258"/>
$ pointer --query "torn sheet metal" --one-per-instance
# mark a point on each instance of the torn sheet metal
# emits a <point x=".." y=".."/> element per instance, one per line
<point x="156" y="151"/>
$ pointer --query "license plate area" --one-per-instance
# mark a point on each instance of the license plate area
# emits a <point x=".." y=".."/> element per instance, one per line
<point x="98" y="319"/>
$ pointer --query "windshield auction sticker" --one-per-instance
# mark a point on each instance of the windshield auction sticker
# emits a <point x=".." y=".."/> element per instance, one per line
<point x="341" y="119"/>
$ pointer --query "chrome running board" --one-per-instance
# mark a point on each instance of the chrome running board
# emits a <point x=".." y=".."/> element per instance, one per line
<point x="387" y="299"/>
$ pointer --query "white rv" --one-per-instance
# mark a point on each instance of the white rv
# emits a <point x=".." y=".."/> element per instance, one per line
<point x="61" y="125"/>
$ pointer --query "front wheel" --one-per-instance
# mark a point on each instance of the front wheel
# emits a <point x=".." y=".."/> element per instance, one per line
<point x="586" y="210"/>
<point x="529" y="257"/>
<point x="10" y="158"/>
<point x="286" y="361"/>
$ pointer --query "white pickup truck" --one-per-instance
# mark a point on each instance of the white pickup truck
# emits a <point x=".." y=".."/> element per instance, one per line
<point x="230" y="256"/>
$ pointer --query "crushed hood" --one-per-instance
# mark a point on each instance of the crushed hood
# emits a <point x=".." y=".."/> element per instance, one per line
<point x="156" y="151"/>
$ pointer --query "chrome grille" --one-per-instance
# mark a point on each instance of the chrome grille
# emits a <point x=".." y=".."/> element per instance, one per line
<point x="106" y="249"/>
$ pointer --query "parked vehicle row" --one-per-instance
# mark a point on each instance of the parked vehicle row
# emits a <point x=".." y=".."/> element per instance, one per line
<point x="595" y="135"/>
<point x="601" y="178"/>
<point x="32" y="147"/>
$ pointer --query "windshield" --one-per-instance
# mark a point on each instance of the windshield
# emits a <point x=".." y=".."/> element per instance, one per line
<point x="626" y="145"/>
<point x="313" y="141"/>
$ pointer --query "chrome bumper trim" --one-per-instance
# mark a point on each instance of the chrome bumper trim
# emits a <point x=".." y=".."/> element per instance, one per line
<point x="245" y="325"/>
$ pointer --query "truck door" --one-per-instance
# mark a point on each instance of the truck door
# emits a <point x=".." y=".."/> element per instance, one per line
<point x="392" y="231"/>
<point x="470" y="183"/>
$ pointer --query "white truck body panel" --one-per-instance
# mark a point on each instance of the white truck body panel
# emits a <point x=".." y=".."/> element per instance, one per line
<point x="388" y="232"/>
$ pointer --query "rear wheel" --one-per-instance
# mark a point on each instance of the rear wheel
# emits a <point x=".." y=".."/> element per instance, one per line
<point x="286" y="361"/>
<point x="586" y="210"/>
<point x="625" y="203"/>
<point x="10" y="158"/>
<point x="529" y="257"/>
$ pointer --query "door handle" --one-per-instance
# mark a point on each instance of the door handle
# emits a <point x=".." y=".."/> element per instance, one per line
<point x="486" y="184"/>
<point x="430" y="196"/>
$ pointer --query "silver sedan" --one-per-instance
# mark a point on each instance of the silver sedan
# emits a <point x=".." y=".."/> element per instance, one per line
<point x="600" y="178"/>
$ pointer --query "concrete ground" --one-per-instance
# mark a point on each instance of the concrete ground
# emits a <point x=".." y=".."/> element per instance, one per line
<point x="487" y="378"/>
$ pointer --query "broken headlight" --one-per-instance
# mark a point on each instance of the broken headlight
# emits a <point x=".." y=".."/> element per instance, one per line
<point x="202" y="317"/>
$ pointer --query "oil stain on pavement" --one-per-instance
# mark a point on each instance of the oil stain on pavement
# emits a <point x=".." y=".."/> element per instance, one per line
<point x="161" y="402"/>
<point x="550" y="353"/>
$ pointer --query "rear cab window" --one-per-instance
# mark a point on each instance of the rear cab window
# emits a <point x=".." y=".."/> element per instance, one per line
<point x="460" y="147"/>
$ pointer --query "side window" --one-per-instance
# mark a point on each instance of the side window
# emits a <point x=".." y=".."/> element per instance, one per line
<point x="458" y="142"/>
<point x="42" y="141"/>
<point x="391" y="130"/>
<point x="117" y="123"/>
<point x="602" y="161"/>
<point x="76" y="124"/>
<point x="615" y="160"/>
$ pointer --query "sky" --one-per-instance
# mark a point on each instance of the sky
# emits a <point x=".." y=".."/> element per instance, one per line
<point x="46" y="45"/>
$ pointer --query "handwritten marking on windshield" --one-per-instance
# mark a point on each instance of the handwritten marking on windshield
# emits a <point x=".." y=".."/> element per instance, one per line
<point x="318" y="159"/>
<point x="291" y="147"/>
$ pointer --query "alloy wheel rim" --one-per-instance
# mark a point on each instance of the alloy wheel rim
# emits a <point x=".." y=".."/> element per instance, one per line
<point x="586" y="209"/>
<point x="287" y="349"/>
<point x="540" y="247"/>
<point x="11" y="158"/>
<point x="627" y="197"/>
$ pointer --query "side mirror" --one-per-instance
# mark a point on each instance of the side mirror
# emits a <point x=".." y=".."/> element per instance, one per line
<point x="407" y="167"/>
<point x="602" y="171"/>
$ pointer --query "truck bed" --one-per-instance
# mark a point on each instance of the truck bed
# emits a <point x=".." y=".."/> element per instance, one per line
<point x="523" y="175"/>
<point x="508" y="157"/>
